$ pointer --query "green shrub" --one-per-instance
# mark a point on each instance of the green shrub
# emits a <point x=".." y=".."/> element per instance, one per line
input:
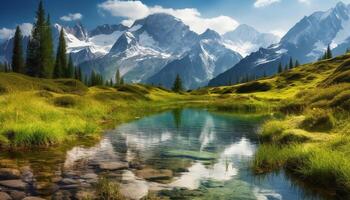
<point x="253" y="87"/>
<point x="108" y="190"/>
<point x="293" y="136"/>
<point x="271" y="130"/>
<point x="3" y="89"/>
<point x="341" y="100"/>
<point x="292" y="107"/>
<point x="44" y="93"/>
<point x="318" y="120"/>
<point x="65" y="101"/>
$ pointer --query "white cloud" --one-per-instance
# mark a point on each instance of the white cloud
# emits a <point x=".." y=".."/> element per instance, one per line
<point x="133" y="10"/>
<point x="6" y="33"/>
<point x="305" y="1"/>
<point x="264" y="3"/>
<point x="72" y="17"/>
<point x="26" y="29"/>
<point x="278" y="32"/>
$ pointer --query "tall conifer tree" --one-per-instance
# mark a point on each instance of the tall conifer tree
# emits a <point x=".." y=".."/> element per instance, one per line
<point x="60" y="69"/>
<point x="17" y="54"/>
<point x="40" y="47"/>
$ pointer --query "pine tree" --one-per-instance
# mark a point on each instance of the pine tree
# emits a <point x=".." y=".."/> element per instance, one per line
<point x="60" y="69"/>
<point x="280" y="69"/>
<point x="47" y="50"/>
<point x="177" y="86"/>
<point x="78" y="74"/>
<point x="329" y="54"/>
<point x="117" y="78"/>
<point x="70" y="68"/>
<point x="17" y="56"/>
<point x="291" y="65"/>
<point x="121" y="81"/>
<point x="39" y="60"/>
<point x="297" y="64"/>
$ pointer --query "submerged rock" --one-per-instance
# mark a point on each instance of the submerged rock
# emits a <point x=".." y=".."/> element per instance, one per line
<point x="113" y="166"/>
<point x="89" y="176"/>
<point x="8" y="174"/>
<point x="154" y="174"/>
<point x="33" y="198"/>
<point x="5" y="196"/>
<point x="15" y="184"/>
<point x="17" y="195"/>
<point x="45" y="188"/>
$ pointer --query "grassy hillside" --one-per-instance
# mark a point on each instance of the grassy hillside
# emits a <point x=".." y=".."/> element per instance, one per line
<point x="46" y="112"/>
<point x="312" y="141"/>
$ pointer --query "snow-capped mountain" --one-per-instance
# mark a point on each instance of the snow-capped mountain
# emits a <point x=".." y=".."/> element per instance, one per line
<point x="151" y="43"/>
<point x="305" y="42"/>
<point x="107" y="29"/>
<point x="245" y="39"/>
<point x="84" y="47"/>
<point x="206" y="59"/>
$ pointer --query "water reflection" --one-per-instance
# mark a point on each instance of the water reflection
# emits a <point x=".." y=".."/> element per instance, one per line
<point x="195" y="150"/>
<point x="196" y="146"/>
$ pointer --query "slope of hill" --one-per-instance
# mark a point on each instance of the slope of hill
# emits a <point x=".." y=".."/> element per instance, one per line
<point x="312" y="140"/>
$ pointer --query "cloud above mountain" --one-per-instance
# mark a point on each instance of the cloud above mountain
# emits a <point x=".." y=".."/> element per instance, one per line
<point x="72" y="17"/>
<point x="6" y="33"/>
<point x="264" y="3"/>
<point x="133" y="10"/>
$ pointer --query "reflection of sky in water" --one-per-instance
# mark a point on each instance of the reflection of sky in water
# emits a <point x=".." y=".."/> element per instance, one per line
<point x="231" y="139"/>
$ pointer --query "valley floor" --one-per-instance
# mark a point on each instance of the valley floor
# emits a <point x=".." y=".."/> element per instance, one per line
<point x="310" y="139"/>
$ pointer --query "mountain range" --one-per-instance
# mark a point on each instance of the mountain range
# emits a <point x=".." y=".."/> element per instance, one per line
<point x="157" y="48"/>
<point x="306" y="42"/>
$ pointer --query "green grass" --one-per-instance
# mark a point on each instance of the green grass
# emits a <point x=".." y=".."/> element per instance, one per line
<point x="312" y="139"/>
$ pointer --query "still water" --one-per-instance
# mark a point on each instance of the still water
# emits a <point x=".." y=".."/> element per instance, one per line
<point x="179" y="154"/>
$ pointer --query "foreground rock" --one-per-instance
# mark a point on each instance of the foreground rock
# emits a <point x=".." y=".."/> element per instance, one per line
<point x="15" y="184"/>
<point x="154" y="174"/>
<point x="8" y="174"/>
<point x="5" y="196"/>
<point x="113" y="166"/>
<point x="33" y="198"/>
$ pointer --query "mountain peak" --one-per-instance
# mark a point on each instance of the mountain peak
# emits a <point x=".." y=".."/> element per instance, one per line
<point x="210" y="34"/>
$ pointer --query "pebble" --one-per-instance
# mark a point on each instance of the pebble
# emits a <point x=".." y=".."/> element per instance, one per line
<point x="45" y="188"/>
<point x="5" y="196"/>
<point x="16" y="184"/>
<point x="68" y="181"/>
<point x="89" y="176"/>
<point x="8" y="173"/>
<point x="114" y="165"/>
<point x="33" y="198"/>
<point x="17" y="195"/>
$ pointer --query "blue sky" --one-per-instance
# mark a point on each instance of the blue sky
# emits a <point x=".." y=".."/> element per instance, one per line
<point x="275" y="16"/>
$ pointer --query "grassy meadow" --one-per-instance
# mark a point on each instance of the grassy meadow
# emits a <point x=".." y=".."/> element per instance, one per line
<point x="311" y="139"/>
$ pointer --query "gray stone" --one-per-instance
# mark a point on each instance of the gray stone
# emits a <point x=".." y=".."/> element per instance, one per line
<point x="69" y="187"/>
<point x="17" y="195"/>
<point x="154" y="174"/>
<point x="33" y="198"/>
<point x="8" y="173"/>
<point x="113" y="165"/>
<point x="5" y="196"/>
<point x="15" y="184"/>
<point x="62" y="195"/>
<point x="46" y="188"/>
<point x="89" y="176"/>
<point x="68" y="181"/>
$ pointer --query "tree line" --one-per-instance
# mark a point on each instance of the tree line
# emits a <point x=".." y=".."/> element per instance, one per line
<point x="40" y="60"/>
